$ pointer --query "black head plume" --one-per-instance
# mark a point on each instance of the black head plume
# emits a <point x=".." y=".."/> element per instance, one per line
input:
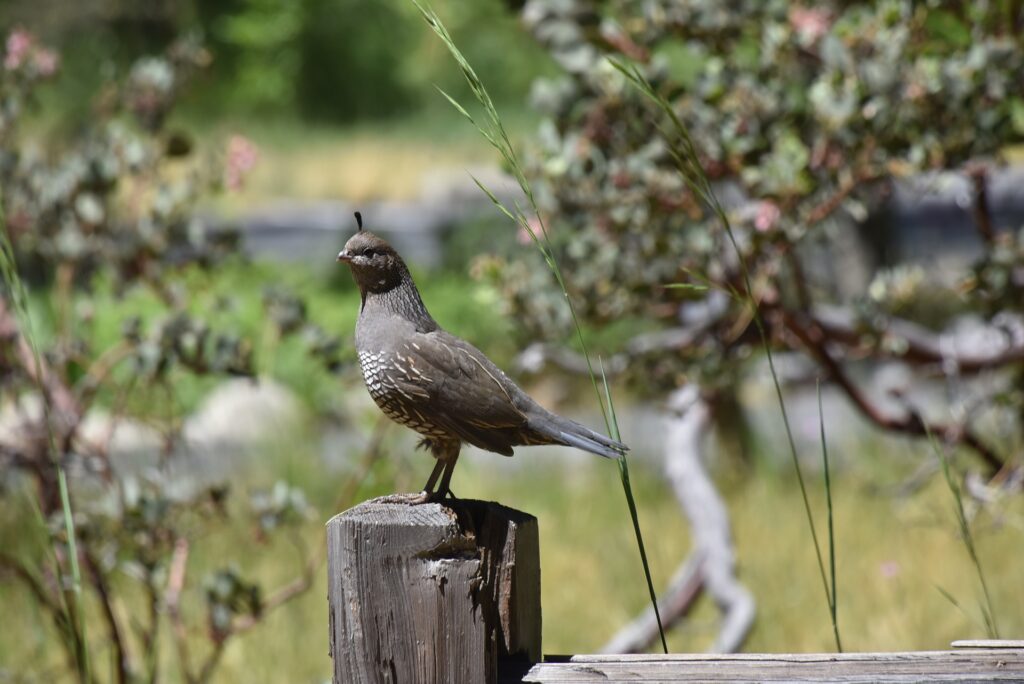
<point x="359" y="220"/>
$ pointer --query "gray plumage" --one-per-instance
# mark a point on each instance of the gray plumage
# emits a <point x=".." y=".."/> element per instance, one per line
<point x="437" y="384"/>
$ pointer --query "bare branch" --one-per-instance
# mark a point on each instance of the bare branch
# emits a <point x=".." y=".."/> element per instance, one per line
<point x="539" y="354"/>
<point x="117" y="636"/>
<point x="803" y="294"/>
<point x="151" y="634"/>
<point x="67" y="411"/>
<point x="100" y="371"/>
<point x="922" y="346"/>
<point x="708" y="516"/>
<point x="304" y="581"/>
<point x="815" y="340"/>
<point x="211" y="662"/>
<point x="822" y="210"/>
<point x="981" y="210"/>
<point x="172" y="603"/>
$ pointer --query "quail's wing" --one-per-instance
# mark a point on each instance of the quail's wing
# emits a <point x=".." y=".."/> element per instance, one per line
<point x="457" y="387"/>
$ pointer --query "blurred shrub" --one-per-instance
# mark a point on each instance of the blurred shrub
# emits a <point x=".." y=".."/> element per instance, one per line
<point x="329" y="60"/>
<point x="114" y="204"/>
<point x="799" y="115"/>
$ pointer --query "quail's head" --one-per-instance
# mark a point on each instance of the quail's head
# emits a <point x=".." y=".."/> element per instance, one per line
<point x="375" y="264"/>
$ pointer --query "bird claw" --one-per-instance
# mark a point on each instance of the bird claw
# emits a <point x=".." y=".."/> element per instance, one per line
<point x="410" y="499"/>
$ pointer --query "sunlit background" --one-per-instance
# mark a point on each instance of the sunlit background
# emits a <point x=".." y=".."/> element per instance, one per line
<point x="178" y="176"/>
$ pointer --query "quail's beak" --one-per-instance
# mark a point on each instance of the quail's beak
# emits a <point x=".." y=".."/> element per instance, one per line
<point x="344" y="256"/>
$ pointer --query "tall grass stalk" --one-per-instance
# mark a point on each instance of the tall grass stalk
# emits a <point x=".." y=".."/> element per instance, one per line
<point x="832" y="604"/>
<point x="19" y="301"/>
<point x="684" y="153"/>
<point x="987" y="613"/>
<point x="631" y="504"/>
<point x="492" y="129"/>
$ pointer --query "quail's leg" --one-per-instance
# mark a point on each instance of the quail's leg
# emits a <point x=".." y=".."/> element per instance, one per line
<point x="449" y="467"/>
<point x="426" y="496"/>
<point x="447" y="453"/>
<point x="428" y="489"/>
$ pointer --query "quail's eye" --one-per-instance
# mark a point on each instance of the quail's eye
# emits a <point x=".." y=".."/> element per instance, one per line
<point x="369" y="253"/>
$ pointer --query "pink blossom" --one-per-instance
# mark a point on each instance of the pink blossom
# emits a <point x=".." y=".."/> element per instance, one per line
<point x="766" y="216"/>
<point x="19" y="44"/>
<point x="889" y="569"/>
<point x="242" y="156"/>
<point x="45" y="62"/>
<point x="810" y="24"/>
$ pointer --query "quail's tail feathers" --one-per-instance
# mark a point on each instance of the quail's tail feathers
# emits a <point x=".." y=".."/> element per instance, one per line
<point x="570" y="433"/>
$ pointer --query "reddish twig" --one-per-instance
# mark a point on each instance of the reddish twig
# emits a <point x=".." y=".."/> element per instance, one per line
<point x="921" y="345"/>
<point x="100" y="370"/>
<point x="823" y="209"/>
<point x="980" y="208"/>
<point x="172" y="603"/>
<point x="803" y="294"/>
<point x="816" y="342"/>
<point x="99" y="582"/>
<point x="621" y="42"/>
<point x="67" y="412"/>
<point x="151" y="635"/>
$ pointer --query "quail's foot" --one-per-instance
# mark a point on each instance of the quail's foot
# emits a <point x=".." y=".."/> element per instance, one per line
<point x="410" y="499"/>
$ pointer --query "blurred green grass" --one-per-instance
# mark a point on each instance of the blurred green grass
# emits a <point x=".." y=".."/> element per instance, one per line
<point x="234" y="291"/>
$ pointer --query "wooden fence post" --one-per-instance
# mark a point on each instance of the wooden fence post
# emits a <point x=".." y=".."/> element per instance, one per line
<point x="432" y="593"/>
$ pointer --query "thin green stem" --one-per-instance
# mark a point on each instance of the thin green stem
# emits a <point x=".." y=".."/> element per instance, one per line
<point x="987" y="612"/>
<point x="631" y="504"/>
<point x="832" y="605"/>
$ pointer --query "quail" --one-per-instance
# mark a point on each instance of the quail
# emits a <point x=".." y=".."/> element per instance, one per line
<point x="439" y="385"/>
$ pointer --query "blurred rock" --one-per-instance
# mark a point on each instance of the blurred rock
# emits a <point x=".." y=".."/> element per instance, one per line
<point x="237" y="421"/>
<point x="241" y="413"/>
<point x="928" y="219"/>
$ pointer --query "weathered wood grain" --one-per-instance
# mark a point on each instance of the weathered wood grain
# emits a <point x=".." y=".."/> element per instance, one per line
<point x="430" y="593"/>
<point x="961" y="665"/>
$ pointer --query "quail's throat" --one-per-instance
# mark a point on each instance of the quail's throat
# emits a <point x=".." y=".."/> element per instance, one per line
<point x="401" y="299"/>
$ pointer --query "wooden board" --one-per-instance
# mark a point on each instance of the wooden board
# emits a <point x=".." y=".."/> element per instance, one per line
<point x="962" y="665"/>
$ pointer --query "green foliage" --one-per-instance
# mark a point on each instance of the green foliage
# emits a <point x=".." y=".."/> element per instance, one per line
<point x="351" y="68"/>
<point x="256" y="39"/>
<point x="288" y="328"/>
